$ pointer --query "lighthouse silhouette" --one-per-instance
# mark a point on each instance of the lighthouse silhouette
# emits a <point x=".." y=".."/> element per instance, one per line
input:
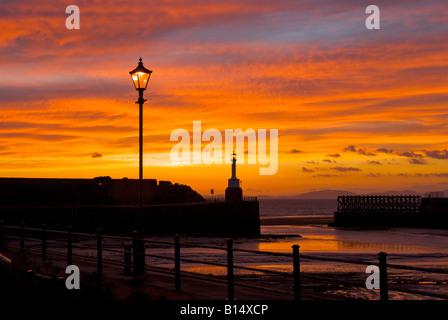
<point x="233" y="190"/>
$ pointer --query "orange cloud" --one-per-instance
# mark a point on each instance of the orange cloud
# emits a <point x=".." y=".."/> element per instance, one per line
<point x="310" y="70"/>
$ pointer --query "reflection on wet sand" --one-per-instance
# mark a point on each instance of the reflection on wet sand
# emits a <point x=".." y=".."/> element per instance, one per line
<point x="331" y="244"/>
<point x="322" y="238"/>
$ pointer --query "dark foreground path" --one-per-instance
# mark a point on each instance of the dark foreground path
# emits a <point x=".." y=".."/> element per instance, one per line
<point x="155" y="284"/>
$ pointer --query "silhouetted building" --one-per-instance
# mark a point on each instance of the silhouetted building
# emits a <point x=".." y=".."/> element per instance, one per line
<point x="165" y="184"/>
<point x="233" y="190"/>
<point x="97" y="191"/>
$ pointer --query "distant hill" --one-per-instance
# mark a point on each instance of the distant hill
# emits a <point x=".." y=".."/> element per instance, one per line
<point x="324" y="194"/>
<point x="266" y="196"/>
<point x="333" y="194"/>
<point x="397" y="193"/>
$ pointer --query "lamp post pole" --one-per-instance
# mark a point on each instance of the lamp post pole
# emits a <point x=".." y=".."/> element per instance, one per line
<point x="140" y="175"/>
<point x="140" y="77"/>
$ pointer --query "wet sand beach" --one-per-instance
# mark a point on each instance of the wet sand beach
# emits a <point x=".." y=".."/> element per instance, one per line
<point x="302" y="220"/>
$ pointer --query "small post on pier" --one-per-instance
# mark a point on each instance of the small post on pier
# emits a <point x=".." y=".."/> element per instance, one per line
<point x="22" y="236"/>
<point x="134" y="253"/>
<point x="99" y="246"/>
<point x="230" y="279"/>
<point x="138" y="254"/>
<point x="296" y="267"/>
<point x="384" y="295"/>
<point x="44" y="244"/>
<point x="2" y="236"/>
<point x="127" y="259"/>
<point x="69" y="245"/>
<point x="177" y="285"/>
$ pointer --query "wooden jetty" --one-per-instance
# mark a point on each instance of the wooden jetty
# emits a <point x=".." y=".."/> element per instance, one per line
<point x="391" y="211"/>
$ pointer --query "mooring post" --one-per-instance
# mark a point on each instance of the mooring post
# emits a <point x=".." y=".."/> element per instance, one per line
<point x="230" y="279"/>
<point x="44" y="244"/>
<point x="69" y="245"/>
<point x="127" y="259"/>
<point x="384" y="295"/>
<point x="22" y="236"/>
<point x="138" y="254"/>
<point x="99" y="247"/>
<point x="142" y="252"/>
<point x="2" y="236"/>
<point x="296" y="267"/>
<point x="134" y="253"/>
<point x="177" y="285"/>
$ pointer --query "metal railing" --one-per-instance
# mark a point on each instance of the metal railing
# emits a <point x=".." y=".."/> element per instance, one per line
<point x="220" y="198"/>
<point x="132" y="249"/>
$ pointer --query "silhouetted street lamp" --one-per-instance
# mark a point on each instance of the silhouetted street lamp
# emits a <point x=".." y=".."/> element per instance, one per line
<point x="140" y="77"/>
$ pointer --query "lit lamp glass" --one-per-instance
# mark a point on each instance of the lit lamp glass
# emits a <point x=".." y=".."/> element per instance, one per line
<point x="140" y="76"/>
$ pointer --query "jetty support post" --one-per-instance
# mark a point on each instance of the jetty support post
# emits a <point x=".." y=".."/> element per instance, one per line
<point x="2" y="236"/>
<point x="177" y="285"/>
<point x="138" y="254"/>
<point x="22" y="236"/>
<point x="384" y="295"/>
<point x="230" y="278"/>
<point x="296" y="268"/>
<point x="99" y="247"/>
<point x="127" y="259"/>
<point x="69" y="246"/>
<point x="44" y="244"/>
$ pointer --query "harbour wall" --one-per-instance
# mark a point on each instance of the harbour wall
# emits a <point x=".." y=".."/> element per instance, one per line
<point x="201" y="218"/>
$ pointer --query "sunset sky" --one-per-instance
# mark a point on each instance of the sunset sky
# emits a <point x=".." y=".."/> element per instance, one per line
<point x="356" y="109"/>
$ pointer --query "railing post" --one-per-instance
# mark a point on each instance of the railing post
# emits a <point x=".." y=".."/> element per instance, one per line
<point x="138" y="254"/>
<point x="69" y="246"/>
<point x="230" y="279"/>
<point x="127" y="259"/>
<point x="44" y="244"/>
<point x="2" y="236"/>
<point x="177" y="286"/>
<point x="134" y="253"/>
<point x="22" y="236"/>
<point x="296" y="267"/>
<point x="384" y="295"/>
<point x="99" y="246"/>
